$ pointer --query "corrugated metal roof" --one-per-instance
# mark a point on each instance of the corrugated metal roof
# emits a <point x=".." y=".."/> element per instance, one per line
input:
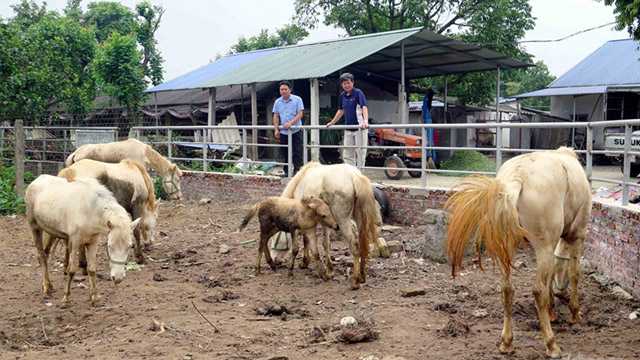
<point x="426" y="54"/>
<point x="614" y="63"/>
<point x="575" y="90"/>
<point x="194" y="78"/>
<point x="201" y="96"/>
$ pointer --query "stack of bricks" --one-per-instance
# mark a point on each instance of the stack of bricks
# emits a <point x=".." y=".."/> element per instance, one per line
<point x="613" y="242"/>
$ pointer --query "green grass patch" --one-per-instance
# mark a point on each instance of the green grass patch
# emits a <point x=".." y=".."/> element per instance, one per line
<point x="468" y="161"/>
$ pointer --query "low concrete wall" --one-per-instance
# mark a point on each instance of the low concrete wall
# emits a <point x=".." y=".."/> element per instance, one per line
<point x="613" y="243"/>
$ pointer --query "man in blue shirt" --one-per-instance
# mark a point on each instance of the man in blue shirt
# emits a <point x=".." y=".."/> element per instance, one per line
<point x="288" y="109"/>
<point x="352" y="102"/>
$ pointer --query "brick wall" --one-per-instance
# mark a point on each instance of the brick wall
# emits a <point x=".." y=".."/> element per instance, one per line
<point x="613" y="243"/>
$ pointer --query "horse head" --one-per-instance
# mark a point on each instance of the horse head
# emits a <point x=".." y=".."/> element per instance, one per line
<point x="322" y="212"/>
<point x="171" y="183"/>
<point x="118" y="245"/>
<point x="148" y="223"/>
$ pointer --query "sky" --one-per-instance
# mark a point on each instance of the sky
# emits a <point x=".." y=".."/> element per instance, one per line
<point x="192" y="32"/>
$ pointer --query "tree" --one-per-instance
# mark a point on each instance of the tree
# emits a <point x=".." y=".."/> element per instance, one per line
<point x="43" y="61"/>
<point x="107" y="17"/>
<point x="148" y="22"/>
<point x="627" y="16"/>
<point x="288" y="35"/>
<point x="492" y="24"/>
<point x="528" y="80"/>
<point x="118" y="72"/>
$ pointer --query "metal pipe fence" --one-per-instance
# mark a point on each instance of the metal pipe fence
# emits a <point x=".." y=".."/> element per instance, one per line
<point x="194" y="147"/>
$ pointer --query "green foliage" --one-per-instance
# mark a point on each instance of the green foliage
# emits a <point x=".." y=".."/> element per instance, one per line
<point x="48" y="58"/>
<point x="158" y="189"/>
<point x="493" y="24"/>
<point x="9" y="204"/>
<point x="527" y="80"/>
<point x="468" y="161"/>
<point x="288" y="35"/>
<point x="117" y="70"/>
<point x="627" y="16"/>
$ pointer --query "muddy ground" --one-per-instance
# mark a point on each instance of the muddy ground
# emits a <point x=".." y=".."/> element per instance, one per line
<point x="272" y="316"/>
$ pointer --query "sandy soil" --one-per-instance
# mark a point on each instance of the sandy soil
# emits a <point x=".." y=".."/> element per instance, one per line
<point x="154" y="312"/>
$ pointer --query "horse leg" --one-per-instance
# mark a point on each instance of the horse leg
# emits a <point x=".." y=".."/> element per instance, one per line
<point x="313" y="245"/>
<point x="506" y="345"/>
<point x="347" y="232"/>
<point x="306" y="256"/>
<point x="267" y="253"/>
<point x="561" y="277"/>
<point x="137" y="248"/>
<point x="294" y="251"/>
<point x="326" y="242"/>
<point x="574" y="276"/>
<point x="47" y="287"/>
<point x="92" y="248"/>
<point x="544" y="275"/>
<point x="72" y="247"/>
<point x="82" y="259"/>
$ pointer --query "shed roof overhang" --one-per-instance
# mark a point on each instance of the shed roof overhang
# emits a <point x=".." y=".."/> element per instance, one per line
<point x="580" y="90"/>
<point x="426" y="54"/>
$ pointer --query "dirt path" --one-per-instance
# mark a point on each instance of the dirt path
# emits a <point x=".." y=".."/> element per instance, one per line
<point x="275" y="317"/>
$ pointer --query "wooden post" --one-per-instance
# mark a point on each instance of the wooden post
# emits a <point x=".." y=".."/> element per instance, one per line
<point x="315" y="118"/>
<point x="19" y="155"/>
<point x="212" y="112"/>
<point x="254" y="122"/>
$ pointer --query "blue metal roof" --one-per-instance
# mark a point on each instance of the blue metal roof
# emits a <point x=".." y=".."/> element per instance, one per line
<point x="559" y="91"/>
<point x="614" y="63"/>
<point x="219" y="67"/>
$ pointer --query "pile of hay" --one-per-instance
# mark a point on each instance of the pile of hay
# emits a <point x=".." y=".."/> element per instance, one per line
<point x="469" y="161"/>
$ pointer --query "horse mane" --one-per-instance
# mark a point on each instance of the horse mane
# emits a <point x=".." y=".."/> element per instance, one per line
<point x="112" y="211"/>
<point x="483" y="210"/>
<point x="151" y="197"/>
<point x="293" y="184"/>
<point x="159" y="163"/>
<point x="68" y="174"/>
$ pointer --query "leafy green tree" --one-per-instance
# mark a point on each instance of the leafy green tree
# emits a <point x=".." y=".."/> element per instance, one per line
<point x="528" y="80"/>
<point x="107" y="16"/>
<point x="288" y="35"/>
<point x="627" y="16"/>
<point x="43" y="61"/>
<point x="493" y="24"/>
<point x="118" y="72"/>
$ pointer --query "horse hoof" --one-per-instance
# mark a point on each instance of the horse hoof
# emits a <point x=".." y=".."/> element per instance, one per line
<point x="141" y="260"/>
<point x="354" y="285"/>
<point x="506" y="349"/>
<point x="554" y="353"/>
<point x="384" y="253"/>
<point x="575" y="319"/>
<point x="290" y="274"/>
<point x="256" y="272"/>
<point x="326" y="277"/>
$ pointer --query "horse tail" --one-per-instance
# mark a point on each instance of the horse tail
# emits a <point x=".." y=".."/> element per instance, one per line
<point x="151" y="197"/>
<point x="68" y="174"/>
<point x="366" y="215"/>
<point x="249" y="216"/>
<point x="290" y="189"/>
<point x="483" y="209"/>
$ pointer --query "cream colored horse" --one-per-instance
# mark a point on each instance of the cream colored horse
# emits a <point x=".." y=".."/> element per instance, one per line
<point x="349" y="195"/>
<point x="80" y="212"/>
<point x="542" y="197"/>
<point x="131" y="186"/>
<point x="133" y="149"/>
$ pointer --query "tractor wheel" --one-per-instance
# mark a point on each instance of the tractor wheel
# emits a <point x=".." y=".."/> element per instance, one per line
<point x="394" y="162"/>
<point x="415" y="174"/>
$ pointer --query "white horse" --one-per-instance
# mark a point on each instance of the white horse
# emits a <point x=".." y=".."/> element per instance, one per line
<point x="349" y="195"/>
<point x="80" y="212"/>
<point x="133" y="149"/>
<point x="542" y="197"/>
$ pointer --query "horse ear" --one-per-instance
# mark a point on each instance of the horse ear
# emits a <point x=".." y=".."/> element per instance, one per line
<point x="308" y="202"/>
<point x="109" y="224"/>
<point x="177" y="170"/>
<point x="135" y="223"/>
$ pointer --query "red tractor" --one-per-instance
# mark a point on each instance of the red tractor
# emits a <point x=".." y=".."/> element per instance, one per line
<point x="395" y="157"/>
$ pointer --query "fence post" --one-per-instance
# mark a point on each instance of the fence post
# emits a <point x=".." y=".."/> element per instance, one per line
<point x="1" y="145"/>
<point x="64" y="145"/>
<point x="498" y="145"/>
<point x="205" y="148"/>
<point x="423" y="166"/>
<point x="589" y="150"/>
<point x="359" y="162"/>
<point x="289" y="153"/>
<point x="626" y="165"/>
<point x="19" y="156"/>
<point x="305" y="149"/>
<point x="169" y="144"/>
<point x="44" y="147"/>
<point x="244" y="151"/>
